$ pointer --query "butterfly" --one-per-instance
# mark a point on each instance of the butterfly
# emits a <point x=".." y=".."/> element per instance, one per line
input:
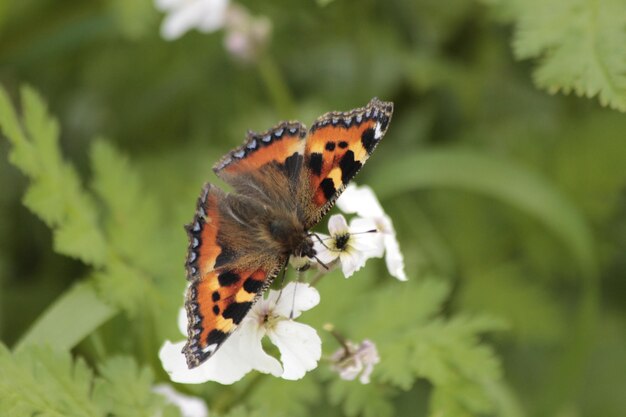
<point x="285" y="180"/>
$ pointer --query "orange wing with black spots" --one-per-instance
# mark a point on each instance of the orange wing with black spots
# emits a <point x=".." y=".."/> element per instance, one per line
<point x="337" y="147"/>
<point x="224" y="282"/>
<point x="279" y="149"/>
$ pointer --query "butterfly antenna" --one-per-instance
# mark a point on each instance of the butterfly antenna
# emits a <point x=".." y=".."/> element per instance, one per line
<point x="369" y="231"/>
<point x="355" y="233"/>
<point x="321" y="241"/>
<point x="321" y="263"/>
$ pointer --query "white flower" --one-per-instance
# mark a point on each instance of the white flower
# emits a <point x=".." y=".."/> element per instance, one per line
<point x="184" y="15"/>
<point x="299" y="345"/>
<point x="188" y="406"/>
<point x="363" y="202"/>
<point x="352" y="361"/>
<point x="353" y="245"/>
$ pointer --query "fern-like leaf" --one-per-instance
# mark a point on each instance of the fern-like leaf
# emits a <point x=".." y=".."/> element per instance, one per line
<point x="579" y="44"/>
<point x="55" y="193"/>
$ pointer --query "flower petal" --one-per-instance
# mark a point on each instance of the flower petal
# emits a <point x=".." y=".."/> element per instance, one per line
<point x="251" y="334"/>
<point x="371" y="244"/>
<point x="360" y="200"/>
<point x="299" y="345"/>
<point x="394" y="258"/>
<point x="225" y="366"/>
<point x="214" y="15"/>
<point x="182" y="321"/>
<point x="179" y="21"/>
<point x="189" y="406"/>
<point x="351" y="262"/>
<point x="306" y="297"/>
<point x="337" y="225"/>
<point x="205" y="15"/>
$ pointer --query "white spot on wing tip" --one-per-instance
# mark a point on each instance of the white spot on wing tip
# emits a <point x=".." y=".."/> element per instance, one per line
<point x="377" y="132"/>
<point x="210" y="349"/>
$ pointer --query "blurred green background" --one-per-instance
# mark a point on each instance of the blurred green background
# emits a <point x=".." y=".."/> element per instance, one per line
<point x="509" y="200"/>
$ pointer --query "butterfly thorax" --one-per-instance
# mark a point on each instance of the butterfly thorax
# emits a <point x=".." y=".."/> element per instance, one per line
<point x="289" y="234"/>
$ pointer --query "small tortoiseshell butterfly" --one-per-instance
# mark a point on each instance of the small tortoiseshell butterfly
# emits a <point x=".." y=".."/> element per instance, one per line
<point x="285" y="180"/>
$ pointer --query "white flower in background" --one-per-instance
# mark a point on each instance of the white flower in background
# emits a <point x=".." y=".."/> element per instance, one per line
<point x="246" y="36"/>
<point x="184" y="15"/>
<point x="299" y="345"/>
<point x="189" y="406"/>
<point x="353" y="245"/>
<point x="352" y="361"/>
<point x="363" y="202"/>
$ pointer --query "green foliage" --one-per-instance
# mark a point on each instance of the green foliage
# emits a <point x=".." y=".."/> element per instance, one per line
<point x="445" y="352"/>
<point x="361" y="400"/>
<point x="275" y="396"/>
<point x="40" y="381"/>
<point x="125" y="389"/>
<point x="55" y="194"/>
<point x="51" y="328"/>
<point x="578" y="44"/>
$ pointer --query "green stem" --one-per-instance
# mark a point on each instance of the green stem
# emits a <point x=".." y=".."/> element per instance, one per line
<point x="276" y="86"/>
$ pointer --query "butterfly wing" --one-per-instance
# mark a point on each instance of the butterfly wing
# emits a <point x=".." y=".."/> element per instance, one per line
<point x="337" y="146"/>
<point x="228" y="271"/>
<point x="267" y="166"/>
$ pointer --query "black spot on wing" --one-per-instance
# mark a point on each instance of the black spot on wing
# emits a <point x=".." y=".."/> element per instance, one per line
<point x="315" y="163"/>
<point x="330" y="146"/>
<point x="215" y="296"/>
<point x="216" y="337"/>
<point x="343" y="144"/>
<point x="227" y="278"/>
<point x="349" y="167"/>
<point x="216" y="309"/>
<point x="292" y="165"/>
<point x="328" y="188"/>
<point x="368" y="140"/>
<point x="237" y="311"/>
<point x="253" y="286"/>
<point x="226" y="256"/>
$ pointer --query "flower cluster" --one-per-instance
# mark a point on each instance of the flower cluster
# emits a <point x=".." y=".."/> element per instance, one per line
<point x="245" y="35"/>
<point x="348" y="246"/>
<point x="369" y="235"/>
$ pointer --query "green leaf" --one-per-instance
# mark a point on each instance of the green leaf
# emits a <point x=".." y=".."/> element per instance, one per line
<point x="274" y="395"/>
<point x="67" y="321"/>
<point x="242" y="411"/>
<point x="579" y="45"/>
<point x="41" y="381"/>
<point x="507" y="292"/>
<point x="367" y="400"/>
<point x="126" y="390"/>
<point x="55" y="193"/>
<point x="38" y="381"/>
<point x="495" y="177"/>
<point x="124" y="286"/>
<point x="133" y="228"/>
<point x="132" y="215"/>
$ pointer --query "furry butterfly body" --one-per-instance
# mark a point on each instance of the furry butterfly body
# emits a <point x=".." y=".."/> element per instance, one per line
<point x="284" y="181"/>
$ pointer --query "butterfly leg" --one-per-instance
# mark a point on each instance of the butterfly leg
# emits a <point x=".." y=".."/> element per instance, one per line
<point x="293" y="300"/>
